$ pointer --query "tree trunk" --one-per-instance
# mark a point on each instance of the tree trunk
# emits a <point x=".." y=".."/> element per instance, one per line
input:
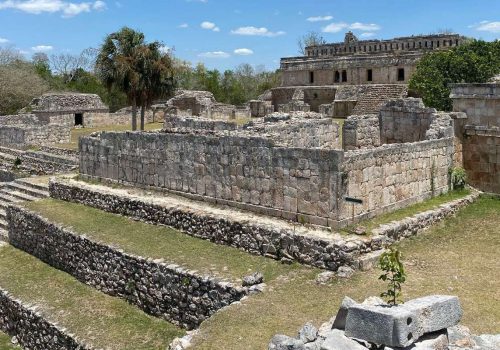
<point x="143" y="110"/>
<point x="134" y="115"/>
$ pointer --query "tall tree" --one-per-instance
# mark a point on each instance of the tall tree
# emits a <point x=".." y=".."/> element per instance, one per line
<point x="310" y="39"/>
<point x="116" y="65"/>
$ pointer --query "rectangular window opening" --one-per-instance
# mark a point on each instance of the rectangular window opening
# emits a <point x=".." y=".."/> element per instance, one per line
<point x="401" y="74"/>
<point x="369" y="75"/>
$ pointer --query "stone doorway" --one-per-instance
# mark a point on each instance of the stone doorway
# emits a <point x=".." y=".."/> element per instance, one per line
<point x="78" y="119"/>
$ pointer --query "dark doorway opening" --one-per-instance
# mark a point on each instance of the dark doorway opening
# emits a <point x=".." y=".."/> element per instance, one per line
<point x="401" y="74"/>
<point x="369" y="75"/>
<point x="78" y="119"/>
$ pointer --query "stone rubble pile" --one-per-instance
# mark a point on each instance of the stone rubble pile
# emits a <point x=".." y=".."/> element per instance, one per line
<point x="428" y="323"/>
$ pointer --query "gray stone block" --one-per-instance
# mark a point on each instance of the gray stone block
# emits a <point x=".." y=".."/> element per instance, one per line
<point x="308" y="333"/>
<point x="392" y="326"/>
<point x="283" y="342"/>
<point x="436" y="312"/>
<point x="430" y="341"/>
<point x="337" y="340"/>
<point x="341" y="317"/>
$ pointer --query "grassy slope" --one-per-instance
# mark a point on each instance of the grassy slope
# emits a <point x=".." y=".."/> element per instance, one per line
<point x="106" y="322"/>
<point x="158" y="241"/>
<point x="458" y="256"/>
<point x="5" y="342"/>
<point x="78" y="132"/>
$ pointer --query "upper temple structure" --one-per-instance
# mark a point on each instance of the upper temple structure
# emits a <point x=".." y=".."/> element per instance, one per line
<point x="363" y="61"/>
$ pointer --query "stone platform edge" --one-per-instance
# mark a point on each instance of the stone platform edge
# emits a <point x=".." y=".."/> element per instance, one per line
<point x="31" y="329"/>
<point x="183" y="297"/>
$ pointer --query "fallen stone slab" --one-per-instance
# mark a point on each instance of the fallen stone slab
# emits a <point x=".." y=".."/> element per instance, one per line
<point x="337" y="340"/>
<point x="308" y="333"/>
<point x="430" y="341"/>
<point x="341" y="317"/>
<point x="284" y="342"/>
<point x="402" y="325"/>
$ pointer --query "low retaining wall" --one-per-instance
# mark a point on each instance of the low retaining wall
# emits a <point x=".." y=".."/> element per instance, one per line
<point x="31" y="329"/>
<point x="160" y="289"/>
<point x="258" y="239"/>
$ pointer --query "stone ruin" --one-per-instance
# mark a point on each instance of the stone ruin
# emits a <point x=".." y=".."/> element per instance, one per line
<point x="188" y="103"/>
<point x="288" y="165"/>
<point x="427" y="323"/>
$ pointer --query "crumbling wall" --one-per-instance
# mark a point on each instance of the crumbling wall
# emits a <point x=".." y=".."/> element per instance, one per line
<point x="361" y="131"/>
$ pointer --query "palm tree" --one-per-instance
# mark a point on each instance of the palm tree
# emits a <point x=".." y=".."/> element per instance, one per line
<point x="156" y="75"/>
<point x="116" y="65"/>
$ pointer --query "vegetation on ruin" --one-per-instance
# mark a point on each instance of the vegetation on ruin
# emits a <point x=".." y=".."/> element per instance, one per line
<point x="458" y="256"/>
<point x="412" y="210"/>
<point x="158" y="242"/>
<point x="139" y="69"/>
<point x="394" y="275"/>
<point x="310" y="39"/>
<point x="473" y="62"/>
<point x="458" y="178"/>
<point x="106" y="322"/>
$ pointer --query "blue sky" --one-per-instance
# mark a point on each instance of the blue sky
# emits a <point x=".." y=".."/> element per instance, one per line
<point x="225" y="33"/>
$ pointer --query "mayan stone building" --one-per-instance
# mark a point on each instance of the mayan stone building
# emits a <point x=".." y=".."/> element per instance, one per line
<point x="354" y="76"/>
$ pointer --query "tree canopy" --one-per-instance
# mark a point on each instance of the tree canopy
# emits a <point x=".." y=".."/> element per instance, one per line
<point x="473" y="62"/>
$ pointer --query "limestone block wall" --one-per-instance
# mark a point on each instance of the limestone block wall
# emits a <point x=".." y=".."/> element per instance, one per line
<point x="160" y="289"/>
<point x="180" y="124"/>
<point x="479" y="132"/>
<point x="393" y="176"/>
<point x="242" y="171"/>
<point x="404" y="120"/>
<point x="361" y="131"/>
<point x="481" y="157"/>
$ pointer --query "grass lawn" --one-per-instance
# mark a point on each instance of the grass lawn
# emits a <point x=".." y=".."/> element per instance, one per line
<point x="5" y="342"/>
<point x="412" y="209"/>
<point x="158" y="241"/>
<point x="101" y="320"/>
<point x="459" y="257"/>
<point x="76" y="133"/>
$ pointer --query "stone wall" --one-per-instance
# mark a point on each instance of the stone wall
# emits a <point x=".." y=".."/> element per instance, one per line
<point x="393" y="176"/>
<point x="243" y="171"/>
<point x="31" y="329"/>
<point x="361" y="131"/>
<point x="165" y="290"/>
<point x="479" y="133"/>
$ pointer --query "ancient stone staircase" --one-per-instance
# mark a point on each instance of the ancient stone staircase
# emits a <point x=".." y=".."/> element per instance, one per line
<point x="14" y="192"/>
<point x="376" y="95"/>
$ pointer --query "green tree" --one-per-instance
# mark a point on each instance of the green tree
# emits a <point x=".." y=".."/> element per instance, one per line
<point x="473" y="62"/>
<point x="394" y="274"/>
<point x="116" y="65"/>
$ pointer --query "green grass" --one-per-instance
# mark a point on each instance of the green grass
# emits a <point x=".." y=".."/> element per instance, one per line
<point x="76" y="133"/>
<point x="158" y="242"/>
<point x="103" y="321"/>
<point x="5" y="342"/>
<point x="411" y="210"/>
<point x="459" y="257"/>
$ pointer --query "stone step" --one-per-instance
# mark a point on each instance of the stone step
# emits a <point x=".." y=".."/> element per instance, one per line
<point x="19" y="196"/>
<point x="31" y="191"/>
<point x="70" y="314"/>
<point x="11" y="151"/>
<point x="3" y="214"/>
<point x="4" y="225"/>
<point x="37" y="186"/>
<point x="4" y="236"/>
<point x="7" y="198"/>
<point x="51" y="157"/>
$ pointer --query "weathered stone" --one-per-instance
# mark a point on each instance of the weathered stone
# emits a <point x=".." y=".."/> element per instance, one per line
<point x="253" y="279"/>
<point x="337" y="340"/>
<point x="345" y="272"/>
<point x="341" y="317"/>
<point x="283" y="342"/>
<point x="325" y="277"/>
<point x="435" y="312"/>
<point x="308" y="333"/>
<point x="430" y="341"/>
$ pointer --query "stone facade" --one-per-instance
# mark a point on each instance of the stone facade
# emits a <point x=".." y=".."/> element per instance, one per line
<point x="286" y="167"/>
<point x="20" y="131"/>
<point x="479" y="133"/>
<point x="356" y="62"/>
<point x="361" y="131"/>
<point x="161" y="289"/>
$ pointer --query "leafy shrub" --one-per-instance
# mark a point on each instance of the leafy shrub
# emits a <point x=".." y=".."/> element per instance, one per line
<point x="394" y="274"/>
<point x="458" y="178"/>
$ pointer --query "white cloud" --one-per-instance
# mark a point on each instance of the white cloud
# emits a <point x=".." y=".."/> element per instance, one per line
<point x="243" y="52"/>
<point x="42" y="48"/>
<point x="165" y="49"/>
<point x="366" y="35"/>
<point x="254" y="31"/>
<point x="487" y="26"/>
<point x="336" y="27"/>
<point x="319" y="18"/>
<point x="183" y="25"/>
<point x="214" y="54"/>
<point x="3" y="41"/>
<point x="210" y="26"/>
<point x="67" y="9"/>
